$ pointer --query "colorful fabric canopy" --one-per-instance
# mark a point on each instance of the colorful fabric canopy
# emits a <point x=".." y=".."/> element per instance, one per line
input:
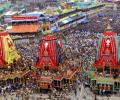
<point x="8" y="52"/>
<point x="107" y="50"/>
<point x="49" y="51"/>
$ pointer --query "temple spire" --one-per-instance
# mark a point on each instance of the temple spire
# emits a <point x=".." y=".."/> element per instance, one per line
<point x="109" y="27"/>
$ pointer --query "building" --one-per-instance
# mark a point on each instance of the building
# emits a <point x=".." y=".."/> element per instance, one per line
<point x="41" y="3"/>
<point x="2" y="1"/>
<point x="24" y="28"/>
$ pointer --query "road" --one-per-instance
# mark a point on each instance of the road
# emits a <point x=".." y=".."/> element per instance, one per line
<point x="70" y="96"/>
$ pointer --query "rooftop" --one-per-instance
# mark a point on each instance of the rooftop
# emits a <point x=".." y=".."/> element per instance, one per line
<point x="24" y="28"/>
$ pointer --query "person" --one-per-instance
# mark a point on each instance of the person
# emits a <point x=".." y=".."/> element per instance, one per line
<point x="75" y="91"/>
<point x="84" y="97"/>
<point x="79" y="87"/>
<point x="100" y="91"/>
<point x="108" y="98"/>
<point x="103" y="91"/>
<point x="95" y="97"/>
<point x="16" y="98"/>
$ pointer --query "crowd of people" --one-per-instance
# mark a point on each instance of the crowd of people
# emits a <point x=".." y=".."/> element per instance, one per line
<point x="82" y="40"/>
<point x="80" y="45"/>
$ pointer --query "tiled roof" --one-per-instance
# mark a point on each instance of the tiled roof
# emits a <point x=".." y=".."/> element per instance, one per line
<point x="24" y="17"/>
<point x="24" y="28"/>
